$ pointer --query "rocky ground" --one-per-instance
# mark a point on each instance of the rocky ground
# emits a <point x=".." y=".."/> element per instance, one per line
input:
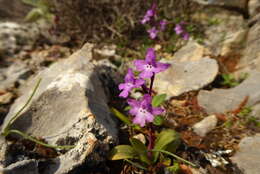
<point x="217" y="115"/>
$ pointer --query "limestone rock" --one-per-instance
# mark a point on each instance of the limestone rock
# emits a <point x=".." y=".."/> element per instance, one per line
<point x="254" y="7"/>
<point x="251" y="56"/>
<point x="21" y="167"/>
<point x="16" y="73"/>
<point x="190" y="52"/>
<point x="186" y="76"/>
<point x="69" y="107"/>
<point x="226" y="28"/>
<point x="234" y="3"/>
<point x="205" y="126"/>
<point x="223" y="100"/>
<point x="15" y="37"/>
<point x="248" y="155"/>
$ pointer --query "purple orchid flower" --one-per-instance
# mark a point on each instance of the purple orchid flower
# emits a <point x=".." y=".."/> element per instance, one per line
<point x="178" y="29"/>
<point x="153" y="32"/>
<point x="186" y="36"/>
<point x="149" y="66"/>
<point x="148" y="15"/>
<point x="143" y="110"/>
<point x="130" y="83"/>
<point x="163" y="24"/>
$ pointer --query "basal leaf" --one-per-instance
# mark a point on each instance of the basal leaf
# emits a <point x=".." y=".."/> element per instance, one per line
<point x="158" y="99"/>
<point x="122" y="152"/>
<point x="140" y="149"/>
<point x="163" y="139"/>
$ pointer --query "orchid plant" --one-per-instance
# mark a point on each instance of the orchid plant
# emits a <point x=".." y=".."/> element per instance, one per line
<point x="144" y="112"/>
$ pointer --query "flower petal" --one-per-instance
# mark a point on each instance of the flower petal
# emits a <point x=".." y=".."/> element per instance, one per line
<point x="133" y="103"/>
<point x="121" y="86"/>
<point x="139" y="82"/>
<point x="124" y="94"/>
<point x="129" y="76"/>
<point x="146" y="74"/>
<point x="157" y="111"/>
<point x="149" y="117"/>
<point x="146" y="101"/>
<point x="140" y="64"/>
<point x="150" y="56"/>
<point x="161" y="67"/>
<point x="139" y="120"/>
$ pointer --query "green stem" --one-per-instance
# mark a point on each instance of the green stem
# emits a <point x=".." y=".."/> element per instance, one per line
<point x="38" y="141"/>
<point x="21" y="110"/>
<point x="175" y="156"/>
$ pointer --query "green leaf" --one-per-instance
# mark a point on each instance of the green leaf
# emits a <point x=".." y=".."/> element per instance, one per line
<point x="122" y="152"/>
<point x="136" y="164"/>
<point x="141" y="150"/>
<point x="163" y="139"/>
<point x="34" y="15"/>
<point x="158" y="99"/>
<point x="121" y="116"/>
<point x="158" y="120"/>
<point x="174" y="168"/>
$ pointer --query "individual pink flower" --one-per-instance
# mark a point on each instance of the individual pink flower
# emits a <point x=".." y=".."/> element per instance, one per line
<point x="149" y="66"/>
<point x="149" y="15"/>
<point x="143" y="111"/>
<point x="163" y="24"/>
<point x="178" y="29"/>
<point x="130" y="83"/>
<point x="153" y="32"/>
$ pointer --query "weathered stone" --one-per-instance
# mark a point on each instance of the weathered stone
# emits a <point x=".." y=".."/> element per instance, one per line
<point x="186" y="76"/>
<point x="16" y="73"/>
<point x="69" y="107"/>
<point x="6" y="98"/>
<point x="251" y="56"/>
<point x="15" y="37"/>
<point x="234" y="3"/>
<point x="248" y="155"/>
<point x="3" y="152"/>
<point x="234" y="43"/>
<point x="205" y="126"/>
<point x="223" y="100"/>
<point x="190" y="52"/>
<point x="22" y="167"/>
<point x="223" y="27"/>
<point x="254" y="7"/>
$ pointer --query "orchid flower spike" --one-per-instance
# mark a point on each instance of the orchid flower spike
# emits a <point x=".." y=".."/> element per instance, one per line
<point x="149" y="66"/>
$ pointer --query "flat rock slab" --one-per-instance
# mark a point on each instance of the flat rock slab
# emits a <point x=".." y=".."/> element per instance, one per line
<point x="247" y="157"/>
<point x="223" y="100"/>
<point x="69" y="107"/>
<point x="186" y="76"/>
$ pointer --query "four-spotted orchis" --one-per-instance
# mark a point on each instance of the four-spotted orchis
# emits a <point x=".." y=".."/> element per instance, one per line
<point x="130" y="83"/>
<point x="149" y="67"/>
<point x="143" y="110"/>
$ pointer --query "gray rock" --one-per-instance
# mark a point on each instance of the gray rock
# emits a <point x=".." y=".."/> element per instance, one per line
<point x="223" y="100"/>
<point x="251" y="56"/>
<point x="16" y="73"/>
<point x="254" y="7"/>
<point x="205" y="126"/>
<point x="3" y="153"/>
<point x="69" y="107"/>
<point x="225" y="3"/>
<point x="22" y="167"/>
<point x="190" y="52"/>
<point x="186" y="76"/>
<point x="15" y="37"/>
<point x="248" y="155"/>
<point x="227" y="28"/>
